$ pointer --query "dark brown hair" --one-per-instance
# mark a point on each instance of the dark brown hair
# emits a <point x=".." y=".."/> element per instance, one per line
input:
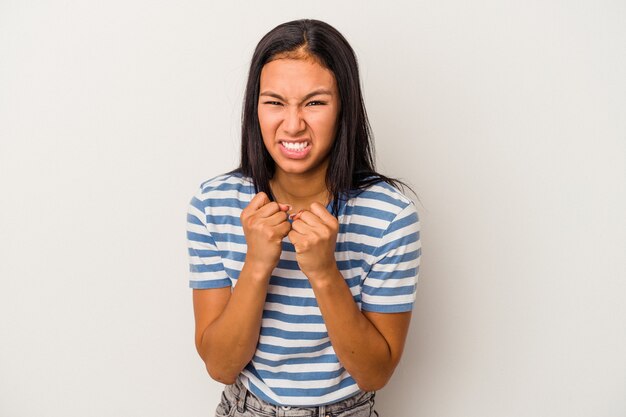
<point x="351" y="165"/>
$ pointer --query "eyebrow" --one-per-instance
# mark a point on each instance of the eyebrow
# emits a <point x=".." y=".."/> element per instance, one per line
<point x="319" y="91"/>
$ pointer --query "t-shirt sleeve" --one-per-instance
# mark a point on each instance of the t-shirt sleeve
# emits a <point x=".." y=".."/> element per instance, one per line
<point x="391" y="283"/>
<point x="206" y="269"/>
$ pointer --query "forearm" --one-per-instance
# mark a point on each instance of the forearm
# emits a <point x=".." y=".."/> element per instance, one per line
<point x="229" y="342"/>
<point x="360" y="347"/>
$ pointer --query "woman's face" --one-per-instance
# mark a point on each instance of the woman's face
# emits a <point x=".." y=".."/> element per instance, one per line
<point x="297" y="109"/>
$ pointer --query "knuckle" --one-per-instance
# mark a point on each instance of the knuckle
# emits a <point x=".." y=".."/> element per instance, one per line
<point x="256" y="225"/>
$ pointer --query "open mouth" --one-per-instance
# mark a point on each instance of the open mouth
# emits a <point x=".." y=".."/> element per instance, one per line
<point x="295" y="146"/>
<point x="295" y="150"/>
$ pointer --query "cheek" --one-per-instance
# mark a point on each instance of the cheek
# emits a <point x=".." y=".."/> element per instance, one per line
<point x="268" y="120"/>
<point x="324" y="124"/>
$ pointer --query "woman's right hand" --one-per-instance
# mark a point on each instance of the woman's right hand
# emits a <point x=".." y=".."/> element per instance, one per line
<point x="265" y="226"/>
<point x="228" y="323"/>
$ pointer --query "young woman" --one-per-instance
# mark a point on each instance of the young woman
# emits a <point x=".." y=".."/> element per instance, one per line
<point x="304" y="260"/>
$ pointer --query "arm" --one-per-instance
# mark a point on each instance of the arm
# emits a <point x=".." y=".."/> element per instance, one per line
<point x="368" y="344"/>
<point x="228" y="323"/>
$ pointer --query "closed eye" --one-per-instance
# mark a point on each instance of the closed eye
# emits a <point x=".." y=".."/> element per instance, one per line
<point x="273" y="103"/>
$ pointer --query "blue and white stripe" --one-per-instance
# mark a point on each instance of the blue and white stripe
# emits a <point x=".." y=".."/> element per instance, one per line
<point x="378" y="253"/>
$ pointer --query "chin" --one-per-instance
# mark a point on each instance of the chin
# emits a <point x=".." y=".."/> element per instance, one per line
<point x="299" y="167"/>
<point x="294" y="170"/>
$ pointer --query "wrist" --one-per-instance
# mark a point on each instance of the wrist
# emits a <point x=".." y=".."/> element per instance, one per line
<point x="327" y="277"/>
<point x="257" y="269"/>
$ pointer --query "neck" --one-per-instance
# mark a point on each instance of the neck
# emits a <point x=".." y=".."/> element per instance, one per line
<point x="300" y="191"/>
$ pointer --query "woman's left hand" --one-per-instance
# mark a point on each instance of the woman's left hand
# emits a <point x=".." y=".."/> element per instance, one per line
<point x="314" y="236"/>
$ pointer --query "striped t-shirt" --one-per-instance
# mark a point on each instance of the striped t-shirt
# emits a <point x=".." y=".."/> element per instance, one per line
<point x="378" y="252"/>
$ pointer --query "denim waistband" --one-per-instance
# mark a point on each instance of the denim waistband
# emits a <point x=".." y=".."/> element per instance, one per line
<point x="243" y="399"/>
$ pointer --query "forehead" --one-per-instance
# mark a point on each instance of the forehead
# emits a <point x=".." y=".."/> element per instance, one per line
<point x="296" y="75"/>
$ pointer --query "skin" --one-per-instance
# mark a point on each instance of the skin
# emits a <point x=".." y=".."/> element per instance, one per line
<point x="288" y="111"/>
<point x="369" y="345"/>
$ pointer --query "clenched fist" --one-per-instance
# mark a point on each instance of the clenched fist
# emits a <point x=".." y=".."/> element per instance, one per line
<point x="264" y="225"/>
<point x="314" y="236"/>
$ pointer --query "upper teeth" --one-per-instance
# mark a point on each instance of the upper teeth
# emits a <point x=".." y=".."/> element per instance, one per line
<point x="296" y="146"/>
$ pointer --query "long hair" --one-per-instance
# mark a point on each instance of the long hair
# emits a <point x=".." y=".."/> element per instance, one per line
<point x="351" y="159"/>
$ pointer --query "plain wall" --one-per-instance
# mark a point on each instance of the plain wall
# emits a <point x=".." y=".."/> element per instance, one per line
<point x="507" y="117"/>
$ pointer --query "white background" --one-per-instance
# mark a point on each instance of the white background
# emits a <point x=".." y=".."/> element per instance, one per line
<point x="507" y="117"/>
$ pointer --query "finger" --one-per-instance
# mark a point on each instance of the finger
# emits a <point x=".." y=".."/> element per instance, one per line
<point x="277" y="218"/>
<point x="310" y="219"/>
<point x="301" y="227"/>
<point x="321" y="212"/>
<point x="269" y="209"/>
<point x="294" y="237"/>
<point x="295" y="216"/>
<point x="284" y="229"/>
<point x="284" y="207"/>
<point x="258" y="201"/>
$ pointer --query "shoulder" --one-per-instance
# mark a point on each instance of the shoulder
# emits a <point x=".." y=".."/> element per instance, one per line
<point x="230" y="189"/>
<point x="377" y="214"/>
<point x="383" y="201"/>
<point x="392" y="218"/>
<point x="226" y="182"/>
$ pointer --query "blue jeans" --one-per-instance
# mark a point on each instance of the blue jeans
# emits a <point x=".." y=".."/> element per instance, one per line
<point x="237" y="401"/>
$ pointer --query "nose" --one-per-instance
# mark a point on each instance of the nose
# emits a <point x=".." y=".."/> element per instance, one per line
<point x="294" y="122"/>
